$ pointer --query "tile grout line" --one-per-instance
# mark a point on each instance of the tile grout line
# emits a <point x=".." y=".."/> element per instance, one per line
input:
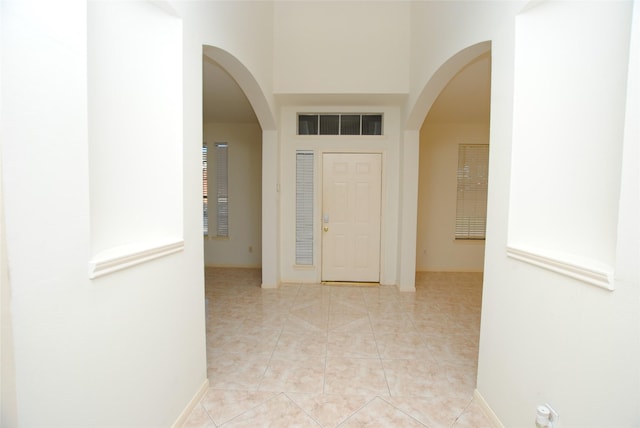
<point x="358" y="410"/>
<point x="302" y="409"/>
<point x="375" y="338"/>
<point x="403" y="412"/>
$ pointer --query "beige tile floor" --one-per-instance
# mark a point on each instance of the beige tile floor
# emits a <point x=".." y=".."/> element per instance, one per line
<point x="335" y="356"/>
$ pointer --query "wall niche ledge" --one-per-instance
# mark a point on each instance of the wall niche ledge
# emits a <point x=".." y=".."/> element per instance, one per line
<point x="126" y="256"/>
<point x="576" y="267"/>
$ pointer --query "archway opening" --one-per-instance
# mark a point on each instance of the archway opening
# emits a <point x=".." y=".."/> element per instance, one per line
<point x="453" y="173"/>
<point x="232" y="172"/>
<point x="452" y="199"/>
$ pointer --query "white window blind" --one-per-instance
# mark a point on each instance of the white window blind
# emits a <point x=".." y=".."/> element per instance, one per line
<point x="304" y="207"/>
<point x="205" y="185"/>
<point x="471" y="207"/>
<point x="222" y="189"/>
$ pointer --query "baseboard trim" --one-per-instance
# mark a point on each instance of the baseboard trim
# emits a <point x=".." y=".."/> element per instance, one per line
<point x="228" y="266"/>
<point x="493" y="418"/>
<point x="351" y="283"/>
<point x="191" y="405"/>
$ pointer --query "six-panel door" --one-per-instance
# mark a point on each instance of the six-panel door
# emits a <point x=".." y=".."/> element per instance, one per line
<point x="351" y="198"/>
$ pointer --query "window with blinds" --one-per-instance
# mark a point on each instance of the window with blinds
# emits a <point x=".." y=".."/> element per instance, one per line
<point x="471" y="206"/>
<point x="222" y="189"/>
<point x="304" y="207"/>
<point x="205" y="184"/>
<point x="340" y="124"/>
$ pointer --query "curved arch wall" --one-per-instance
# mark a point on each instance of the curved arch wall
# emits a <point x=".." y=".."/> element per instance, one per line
<point x="247" y="82"/>
<point x="238" y="36"/>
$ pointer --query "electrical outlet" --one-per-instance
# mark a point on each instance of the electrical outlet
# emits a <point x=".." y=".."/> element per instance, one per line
<point x="553" y="415"/>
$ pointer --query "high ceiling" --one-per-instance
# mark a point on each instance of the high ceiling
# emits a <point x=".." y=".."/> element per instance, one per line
<point x="465" y="99"/>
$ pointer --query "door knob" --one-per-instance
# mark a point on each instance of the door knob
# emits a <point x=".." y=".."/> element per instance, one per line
<point x="326" y="228"/>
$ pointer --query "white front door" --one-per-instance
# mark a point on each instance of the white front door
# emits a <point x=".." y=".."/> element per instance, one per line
<point x="351" y="199"/>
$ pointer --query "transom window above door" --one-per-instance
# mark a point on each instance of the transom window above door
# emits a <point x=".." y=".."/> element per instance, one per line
<point x="339" y="124"/>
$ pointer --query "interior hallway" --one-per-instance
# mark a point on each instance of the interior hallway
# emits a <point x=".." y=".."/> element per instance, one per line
<point x="314" y="355"/>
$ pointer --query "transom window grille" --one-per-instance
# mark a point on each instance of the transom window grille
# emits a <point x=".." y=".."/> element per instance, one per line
<point x="304" y="207"/>
<point x="471" y="206"/>
<point x="340" y="124"/>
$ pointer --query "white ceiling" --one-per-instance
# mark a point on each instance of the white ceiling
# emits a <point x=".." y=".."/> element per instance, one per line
<point x="465" y="99"/>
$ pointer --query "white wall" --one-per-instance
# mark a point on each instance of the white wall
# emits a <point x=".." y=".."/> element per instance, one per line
<point x="243" y="247"/>
<point x="101" y="352"/>
<point x="244" y="30"/>
<point x="135" y="105"/>
<point x="433" y="42"/>
<point x="568" y="109"/>
<point x="546" y="337"/>
<point x="7" y="364"/>
<point x="341" y="47"/>
<point x="437" y="249"/>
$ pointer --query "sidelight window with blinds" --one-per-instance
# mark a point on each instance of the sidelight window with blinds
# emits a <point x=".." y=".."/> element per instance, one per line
<point x="304" y="207"/>
<point x="205" y="191"/>
<point x="221" y="189"/>
<point x="471" y="204"/>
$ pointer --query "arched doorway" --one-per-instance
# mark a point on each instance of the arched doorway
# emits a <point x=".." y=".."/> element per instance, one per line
<point x="239" y="128"/>
<point x="455" y="117"/>
<point x="410" y="156"/>
<point x="453" y="173"/>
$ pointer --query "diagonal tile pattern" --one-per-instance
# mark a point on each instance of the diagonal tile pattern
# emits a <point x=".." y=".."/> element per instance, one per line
<point x="334" y="356"/>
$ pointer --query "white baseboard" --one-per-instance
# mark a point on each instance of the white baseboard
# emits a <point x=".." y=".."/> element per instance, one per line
<point x="232" y="266"/>
<point x="192" y="404"/>
<point x="448" y="270"/>
<point x="493" y="418"/>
